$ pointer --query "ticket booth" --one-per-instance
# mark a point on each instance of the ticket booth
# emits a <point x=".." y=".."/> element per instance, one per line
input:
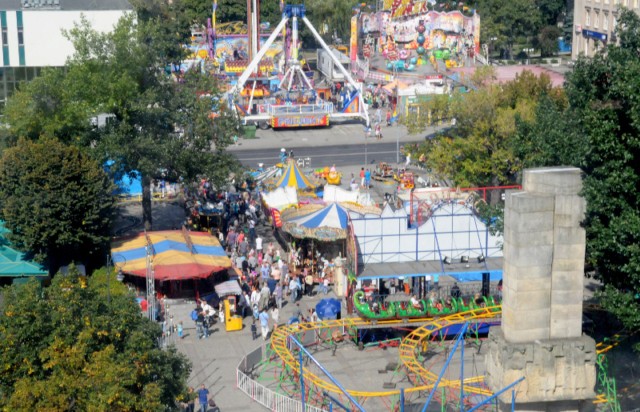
<point x="231" y="320"/>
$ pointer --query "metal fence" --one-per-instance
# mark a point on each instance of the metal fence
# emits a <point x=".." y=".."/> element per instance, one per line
<point x="264" y="396"/>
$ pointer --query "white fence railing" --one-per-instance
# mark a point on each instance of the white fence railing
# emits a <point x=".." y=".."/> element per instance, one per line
<point x="268" y="398"/>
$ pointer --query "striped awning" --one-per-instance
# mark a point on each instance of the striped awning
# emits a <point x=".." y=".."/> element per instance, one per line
<point x="175" y="255"/>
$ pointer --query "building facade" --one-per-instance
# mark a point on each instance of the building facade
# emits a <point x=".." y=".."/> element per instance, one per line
<point x="595" y="22"/>
<point x="33" y="34"/>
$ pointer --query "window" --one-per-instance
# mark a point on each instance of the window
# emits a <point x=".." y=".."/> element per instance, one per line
<point x="5" y="38"/>
<point x="636" y="4"/>
<point x="596" y="17"/>
<point x="605" y="21"/>
<point x="21" y="56"/>
<point x="587" y="18"/>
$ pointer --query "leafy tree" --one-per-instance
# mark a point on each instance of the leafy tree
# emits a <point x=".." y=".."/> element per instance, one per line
<point x="478" y="150"/>
<point x="507" y="20"/>
<point x="56" y="201"/>
<point x="81" y="345"/>
<point x="603" y="93"/>
<point x="553" y="139"/>
<point x="547" y="40"/>
<point x="550" y="10"/>
<point x="159" y="127"/>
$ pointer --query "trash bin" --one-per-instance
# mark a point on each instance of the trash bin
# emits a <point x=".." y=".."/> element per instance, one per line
<point x="250" y="131"/>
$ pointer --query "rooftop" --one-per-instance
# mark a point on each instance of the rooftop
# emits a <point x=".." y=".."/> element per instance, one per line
<point x="81" y="5"/>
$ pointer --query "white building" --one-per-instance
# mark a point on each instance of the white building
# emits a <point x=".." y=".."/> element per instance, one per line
<point x="32" y="34"/>
<point x="595" y="22"/>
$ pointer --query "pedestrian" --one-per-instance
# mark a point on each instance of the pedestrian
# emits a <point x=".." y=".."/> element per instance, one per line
<point x="278" y="295"/>
<point x="264" y="323"/>
<point x="325" y="285"/>
<point x="408" y="160"/>
<point x="254" y="331"/>
<point x="367" y="179"/>
<point x="388" y="117"/>
<point x="378" y="132"/>
<point x="259" y="244"/>
<point x="378" y="115"/>
<point x="362" y="177"/>
<point x="203" y="398"/>
<point x="190" y="404"/>
<point x="180" y="330"/>
<point x="293" y="288"/>
<point x="275" y="315"/>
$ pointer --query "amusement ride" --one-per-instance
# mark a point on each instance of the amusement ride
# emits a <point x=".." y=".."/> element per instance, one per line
<point x="295" y="103"/>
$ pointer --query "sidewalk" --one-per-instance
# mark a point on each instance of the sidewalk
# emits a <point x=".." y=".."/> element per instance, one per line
<point x="336" y="134"/>
<point x="216" y="358"/>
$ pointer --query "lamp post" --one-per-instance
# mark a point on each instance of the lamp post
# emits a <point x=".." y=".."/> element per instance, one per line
<point x="119" y="274"/>
<point x="491" y="40"/>
<point x="528" y="52"/>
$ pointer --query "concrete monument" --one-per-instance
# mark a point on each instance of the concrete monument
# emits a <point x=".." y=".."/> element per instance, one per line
<point x="541" y="333"/>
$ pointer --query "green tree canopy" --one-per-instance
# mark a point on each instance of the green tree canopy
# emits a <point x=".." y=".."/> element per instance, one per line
<point x="506" y="20"/>
<point x="603" y="94"/>
<point x="56" y="200"/>
<point x="478" y="150"/>
<point x="160" y="127"/>
<point x="78" y="346"/>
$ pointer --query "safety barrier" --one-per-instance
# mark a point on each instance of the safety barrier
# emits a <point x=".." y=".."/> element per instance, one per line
<point x="263" y="395"/>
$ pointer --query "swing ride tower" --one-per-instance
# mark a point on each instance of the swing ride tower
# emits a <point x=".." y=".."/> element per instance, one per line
<point x="295" y="103"/>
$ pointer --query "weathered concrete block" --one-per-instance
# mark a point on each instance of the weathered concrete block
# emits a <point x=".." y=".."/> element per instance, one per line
<point x="569" y="210"/>
<point x="568" y="281"/>
<point x="530" y="222"/>
<point x="557" y="180"/>
<point x="529" y="238"/>
<point x="528" y="202"/>
<point x="568" y="235"/>
<point x="541" y="255"/>
<point x="568" y="265"/>
<point x="566" y="297"/>
<point x="525" y="300"/>
<point x="513" y="270"/>
<point x="568" y="251"/>
<point x="554" y="369"/>
<point x="565" y="328"/>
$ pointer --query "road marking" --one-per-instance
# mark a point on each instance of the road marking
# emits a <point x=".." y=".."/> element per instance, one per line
<point x="321" y="155"/>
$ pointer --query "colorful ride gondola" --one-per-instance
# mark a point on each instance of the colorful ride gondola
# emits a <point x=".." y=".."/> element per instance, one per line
<point x="423" y="309"/>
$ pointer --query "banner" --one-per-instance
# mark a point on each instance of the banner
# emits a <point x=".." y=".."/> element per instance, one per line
<point x="300" y="120"/>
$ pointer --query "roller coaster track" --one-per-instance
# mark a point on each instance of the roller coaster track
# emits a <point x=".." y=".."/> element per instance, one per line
<point x="408" y="349"/>
<point x="280" y="335"/>
<point x="412" y="342"/>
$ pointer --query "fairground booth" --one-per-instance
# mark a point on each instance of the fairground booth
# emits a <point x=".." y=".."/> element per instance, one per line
<point x="14" y="266"/>
<point x="183" y="263"/>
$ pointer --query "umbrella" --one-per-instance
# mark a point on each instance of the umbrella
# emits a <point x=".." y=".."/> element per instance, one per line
<point x="328" y="223"/>
<point x="328" y="308"/>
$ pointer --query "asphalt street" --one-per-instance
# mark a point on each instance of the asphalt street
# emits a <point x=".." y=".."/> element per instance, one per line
<point x="342" y="144"/>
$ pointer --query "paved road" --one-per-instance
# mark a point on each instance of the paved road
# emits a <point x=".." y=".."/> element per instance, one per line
<point x="342" y="144"/>
<point x="340" y="155"/>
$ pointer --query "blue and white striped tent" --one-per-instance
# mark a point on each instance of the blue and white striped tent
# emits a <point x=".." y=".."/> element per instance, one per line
<point x="328" y="223"/>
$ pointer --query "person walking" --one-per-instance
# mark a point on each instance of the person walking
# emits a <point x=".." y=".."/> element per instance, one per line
<point x="203" y="398"/>
<point x="264" y="323"/>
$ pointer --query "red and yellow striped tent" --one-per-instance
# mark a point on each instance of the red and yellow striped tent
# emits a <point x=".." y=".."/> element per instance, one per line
<point x="175" y="255"/>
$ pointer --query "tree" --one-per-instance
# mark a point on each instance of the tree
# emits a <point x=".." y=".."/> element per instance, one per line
<point x="547" y="40"/>
<point x="55" y="200"/>
<point x="602" y="92"/>
<point x="73" y="347"/>
<point x="161" y="128"/>
<point x="550" y="10"/>
<point x="507" y="20"/>
<point x="479" y="149"/>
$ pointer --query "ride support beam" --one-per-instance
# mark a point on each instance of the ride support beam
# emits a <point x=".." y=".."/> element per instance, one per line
<point x="257" y="58"/>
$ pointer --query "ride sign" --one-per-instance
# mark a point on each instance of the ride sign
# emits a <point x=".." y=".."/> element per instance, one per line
<point x="299" y="120"/>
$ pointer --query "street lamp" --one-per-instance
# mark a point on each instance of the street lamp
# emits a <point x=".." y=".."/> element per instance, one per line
<point x="119" y="274"/>
<point x="528" y="52"/>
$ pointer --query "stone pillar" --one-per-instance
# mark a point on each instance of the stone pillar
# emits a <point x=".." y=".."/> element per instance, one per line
<point x="541" y="333"/>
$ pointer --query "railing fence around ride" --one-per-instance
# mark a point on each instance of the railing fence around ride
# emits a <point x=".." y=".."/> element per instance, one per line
<point x="266" y="397"/>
